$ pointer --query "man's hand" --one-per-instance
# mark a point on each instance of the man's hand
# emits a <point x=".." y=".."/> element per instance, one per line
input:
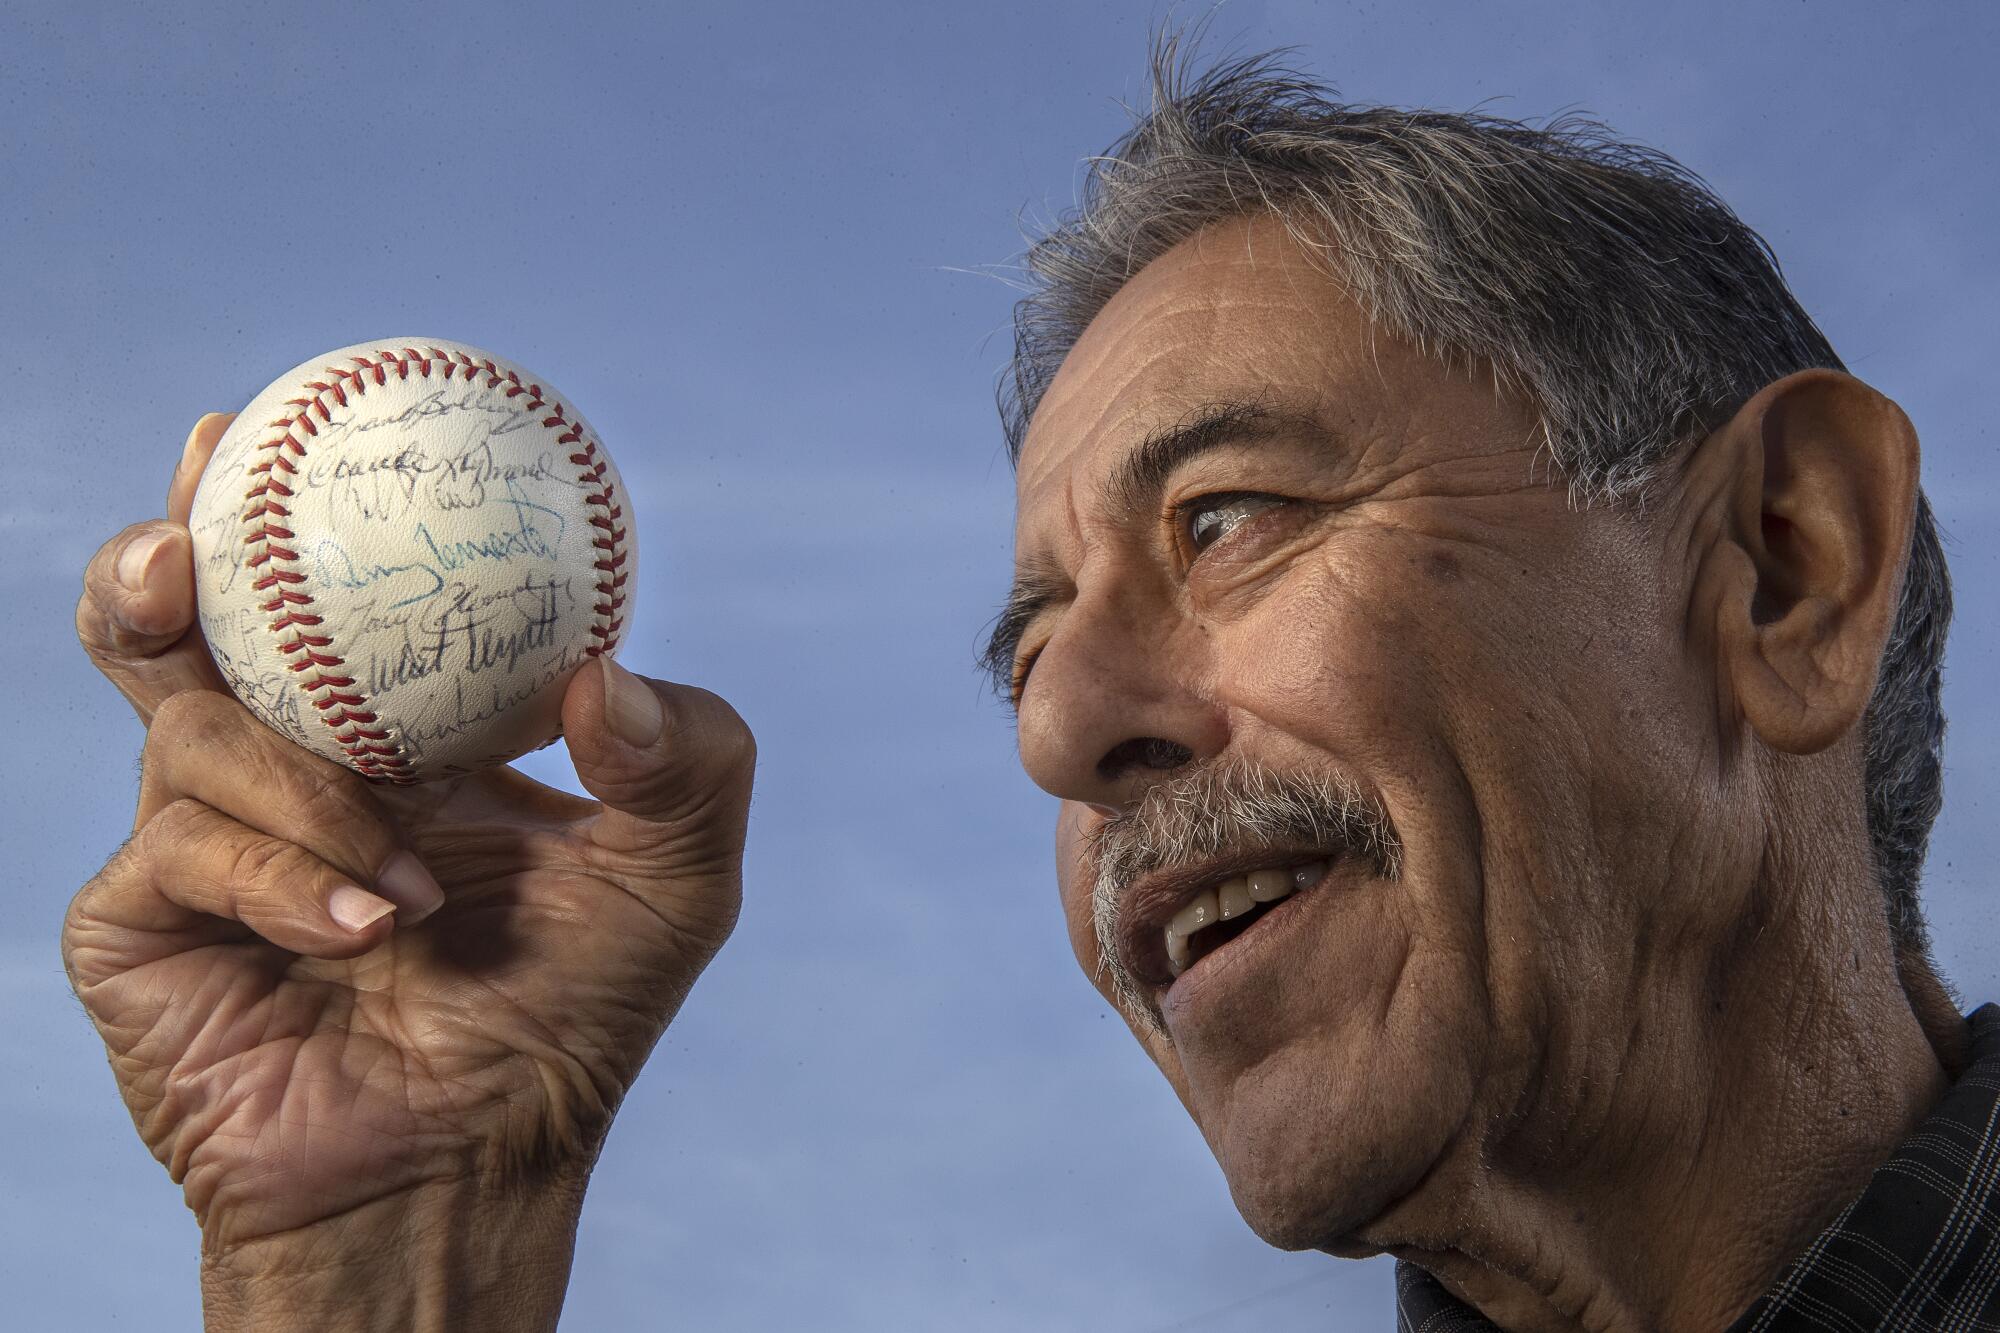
<point x="367" y="1028"/>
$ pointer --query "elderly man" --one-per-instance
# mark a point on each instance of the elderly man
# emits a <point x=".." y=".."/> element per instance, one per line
<point x="1488" y="655"/>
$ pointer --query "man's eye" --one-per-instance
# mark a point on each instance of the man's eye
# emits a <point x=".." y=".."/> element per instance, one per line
<point x="1207" y="520"/>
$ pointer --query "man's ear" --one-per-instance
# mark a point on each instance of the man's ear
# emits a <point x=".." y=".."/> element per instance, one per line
<point x="1818" y="478"/>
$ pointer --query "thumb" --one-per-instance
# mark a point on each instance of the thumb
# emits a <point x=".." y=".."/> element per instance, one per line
<point x="672" y="765"/>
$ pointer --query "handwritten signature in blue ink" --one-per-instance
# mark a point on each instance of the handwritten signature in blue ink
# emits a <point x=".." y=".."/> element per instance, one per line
<point x="527" y="538"/>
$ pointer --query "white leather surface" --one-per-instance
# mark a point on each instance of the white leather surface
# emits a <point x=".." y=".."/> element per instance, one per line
<point x="442" y="535"/>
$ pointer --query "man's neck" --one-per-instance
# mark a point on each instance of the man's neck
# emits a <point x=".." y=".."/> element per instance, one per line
<point x="1786" y="1084"/>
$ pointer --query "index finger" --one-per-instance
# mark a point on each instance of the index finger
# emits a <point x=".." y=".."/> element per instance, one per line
<point x="136" y="618"/>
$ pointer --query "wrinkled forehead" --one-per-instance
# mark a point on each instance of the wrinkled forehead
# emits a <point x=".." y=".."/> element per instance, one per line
<point x="1240" y="312"/>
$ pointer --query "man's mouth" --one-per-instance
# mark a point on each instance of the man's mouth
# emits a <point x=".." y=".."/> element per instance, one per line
<point x="1205" y="857"/>
<point x="1219" y="915"/>
<point x="1180" y="917"/>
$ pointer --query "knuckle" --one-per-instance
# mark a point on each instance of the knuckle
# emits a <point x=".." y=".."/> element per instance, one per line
<point x="80" y="914"/>
<point x="85" y="923"/>
<point x="259" y="865"/>
<point x="100" y="572"/>
<point x="72" y="945"/>
<point x="737" y="744"/>
<point x="327" y="797"/>
<point x="97" y="570"/>
<point x="203" y="727"/>
<point x="740" y="749"/>
<point x="162" y="828"/>
<point x="187" y="715"/>
<point x="173" y="834"/>
<point x="730" y="740"/>
<point x="181" y="834"/>
<point x="97" y="627"/>
<point x="90" y="623"/>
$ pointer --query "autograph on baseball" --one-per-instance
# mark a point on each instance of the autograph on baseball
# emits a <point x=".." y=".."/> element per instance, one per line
<point x="403" y="549"/>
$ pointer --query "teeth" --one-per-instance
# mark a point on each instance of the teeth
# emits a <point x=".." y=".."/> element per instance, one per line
<point x="1201" y="912"/>
<point x="1267" y="886"/>
<point x="1234" y="897"/>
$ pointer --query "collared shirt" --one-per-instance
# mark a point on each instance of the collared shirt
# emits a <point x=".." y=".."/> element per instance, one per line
<point x="1918" y="1251"/>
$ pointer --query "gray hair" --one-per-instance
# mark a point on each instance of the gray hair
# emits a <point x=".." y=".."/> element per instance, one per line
<point x="1599" y="278"/>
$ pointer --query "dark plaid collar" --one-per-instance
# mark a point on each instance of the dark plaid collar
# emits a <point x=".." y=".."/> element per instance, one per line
<point x="1918" y="1250"/>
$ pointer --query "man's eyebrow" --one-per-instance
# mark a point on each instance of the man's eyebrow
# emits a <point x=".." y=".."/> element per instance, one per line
<point x="1135" y="484"/>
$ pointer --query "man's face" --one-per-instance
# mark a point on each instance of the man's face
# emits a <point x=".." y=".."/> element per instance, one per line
<point x="1301" y="600"/>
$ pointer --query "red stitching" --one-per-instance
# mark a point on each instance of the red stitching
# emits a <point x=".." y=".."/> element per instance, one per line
<point x="598" y="494"/>
<point x="340" y="706"/>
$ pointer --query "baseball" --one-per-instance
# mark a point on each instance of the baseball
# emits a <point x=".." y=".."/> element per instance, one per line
<point x="403" y="550"/>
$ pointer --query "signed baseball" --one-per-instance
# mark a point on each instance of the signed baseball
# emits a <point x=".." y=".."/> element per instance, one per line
<point x="403" y="551"/>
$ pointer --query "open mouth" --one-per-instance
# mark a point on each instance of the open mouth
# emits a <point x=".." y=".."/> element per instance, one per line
<point x="1217" y="915"/>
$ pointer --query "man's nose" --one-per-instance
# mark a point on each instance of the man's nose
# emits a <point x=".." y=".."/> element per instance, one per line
<point x="1116" y="702"/>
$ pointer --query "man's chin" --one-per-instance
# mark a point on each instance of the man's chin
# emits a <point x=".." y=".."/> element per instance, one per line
<point x="1326" y="1205"/>
<point x="1317" y="1163"/>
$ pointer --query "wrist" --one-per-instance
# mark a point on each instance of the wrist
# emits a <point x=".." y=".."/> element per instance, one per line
<point x="438" y="1259"/>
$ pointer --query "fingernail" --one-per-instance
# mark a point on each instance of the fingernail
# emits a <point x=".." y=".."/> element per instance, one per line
<point x="356" y="909"/>
<point x="136" y="557"/>
<point x="404" y="882"/>
<point x="630" y="707"/>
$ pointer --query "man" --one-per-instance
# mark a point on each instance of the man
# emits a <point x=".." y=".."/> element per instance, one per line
<point x="1487" y="651"/>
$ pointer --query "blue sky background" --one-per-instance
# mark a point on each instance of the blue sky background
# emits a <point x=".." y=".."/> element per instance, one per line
<point x="756" y="243"/>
